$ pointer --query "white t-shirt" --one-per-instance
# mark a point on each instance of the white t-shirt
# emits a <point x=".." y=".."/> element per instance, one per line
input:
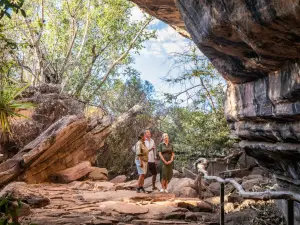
<point x="150" y="144"/>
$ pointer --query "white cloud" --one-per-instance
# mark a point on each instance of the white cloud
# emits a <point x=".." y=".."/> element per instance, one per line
<point x="136" y="14"/>
<point x="168" y="41"/>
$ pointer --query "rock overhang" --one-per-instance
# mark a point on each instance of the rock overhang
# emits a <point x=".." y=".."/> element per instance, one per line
<point x="244" y="39"/>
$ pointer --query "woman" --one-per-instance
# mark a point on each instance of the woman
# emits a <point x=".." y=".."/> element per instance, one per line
<point x="166" y="155"/>
<point x="141" y="161"/>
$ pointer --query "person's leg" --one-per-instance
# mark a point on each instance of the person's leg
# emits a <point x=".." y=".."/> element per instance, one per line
<point x="139" y="181"/>
<point x="142" y="180"/>
<point x="153" y="181"/>
<point x="153" y="171"/>
<point x="162" y="181"/>
<point x="166" y="186"/>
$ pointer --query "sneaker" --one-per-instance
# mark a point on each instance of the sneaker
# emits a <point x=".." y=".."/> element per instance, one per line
<point x="138" y="190"/>
<point x="154" y="189"/>
<point x="166" y="191"/>
<point x="162" y="190"/>
<point x="142" y="190"/>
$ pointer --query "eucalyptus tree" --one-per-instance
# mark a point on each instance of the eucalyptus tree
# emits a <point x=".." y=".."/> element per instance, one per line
<point x="78" y="44"/>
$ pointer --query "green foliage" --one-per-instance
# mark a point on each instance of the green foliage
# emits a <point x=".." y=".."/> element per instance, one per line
<point x="9" y="211"/>
<point x="7" y="6"/>
<point x="78" y="44"/>
<point x="196" y="133"/>
<point x="122" y="96"/>
<point x="9" y="106"/>
<point x="195" y="120"/>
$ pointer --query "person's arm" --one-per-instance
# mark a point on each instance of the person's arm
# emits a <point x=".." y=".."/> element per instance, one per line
<point x="160" y="155"/>
<point x="172" y="157"/>
<point x="140" y="154"/>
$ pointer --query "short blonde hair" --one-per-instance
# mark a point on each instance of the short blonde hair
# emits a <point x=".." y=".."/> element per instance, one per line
<point x="164" y="134"/>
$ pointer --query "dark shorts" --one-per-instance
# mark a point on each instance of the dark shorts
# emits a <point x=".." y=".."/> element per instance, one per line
<point x="152" y="168"/>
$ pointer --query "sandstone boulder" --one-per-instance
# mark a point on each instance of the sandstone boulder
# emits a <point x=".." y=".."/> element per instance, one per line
<point x="187" y="192"/>
<point x="98" y="174"/>
<point x="200" y="206"/>
<point x="73" y="173"/>
<point x="19" y="192"/>
<point x="215" y="188"/>
<point x="191" y="216"/>
<point x="67" y="142"/>
<point x="174" y="216"/>
<point x="119" y="179"/>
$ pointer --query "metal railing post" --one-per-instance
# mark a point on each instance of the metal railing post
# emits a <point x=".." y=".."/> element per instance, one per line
<point x="222" y="200"/>
<point x="290" y="212"/>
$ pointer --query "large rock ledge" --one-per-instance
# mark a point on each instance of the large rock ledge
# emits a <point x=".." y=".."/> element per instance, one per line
<point x="245" y="40"/>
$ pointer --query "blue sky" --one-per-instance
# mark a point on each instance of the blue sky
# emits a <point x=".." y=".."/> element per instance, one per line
<point x="153" y="61"/>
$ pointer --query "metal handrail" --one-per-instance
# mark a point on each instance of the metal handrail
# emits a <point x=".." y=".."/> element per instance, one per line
<point x="291" y="197"/>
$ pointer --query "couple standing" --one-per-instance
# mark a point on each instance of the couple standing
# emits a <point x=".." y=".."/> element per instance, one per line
<point x="146" y="158"/>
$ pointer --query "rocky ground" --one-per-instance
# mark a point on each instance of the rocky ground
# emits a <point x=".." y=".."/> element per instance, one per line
<point x="103" y="202"/>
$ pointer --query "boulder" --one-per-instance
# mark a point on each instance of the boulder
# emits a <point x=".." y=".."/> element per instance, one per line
<point x="19" y="192"/>
<point x="258" y="171"/>
<point x="200" y="206"/>
<point x="176" y="174"/>
<point x="174" y="216"/>
<point x="67" y="142"/>
<point x="253" y="176"/>
<point x="246" y="161"/>
<point x="186" y="192"/>
<point x="119" y="179"/>
<point x="177" y="183"/>
<point x="249" y="184"/>
<point x="215" y="188"/>
<point x="98" y="174"/>
<point x="73" y="173"/>
<point x="191" y="216"/>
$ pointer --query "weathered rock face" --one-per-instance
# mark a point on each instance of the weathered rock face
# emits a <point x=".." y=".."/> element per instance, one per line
<point x="50" y="106"/>
<point x="245" y="40"/>
<point x="63" y="140"/>
<point x="255" y="46"/>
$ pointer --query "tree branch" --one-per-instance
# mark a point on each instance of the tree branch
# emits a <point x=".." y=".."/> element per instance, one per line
<point x="85" y="31"/>
<point x="208" y="95"/>
<point x="116" y="62"/>
<point x="62" y="70"/>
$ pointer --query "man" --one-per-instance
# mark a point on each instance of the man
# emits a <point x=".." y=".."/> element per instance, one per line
<point x="149" y="142"/>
